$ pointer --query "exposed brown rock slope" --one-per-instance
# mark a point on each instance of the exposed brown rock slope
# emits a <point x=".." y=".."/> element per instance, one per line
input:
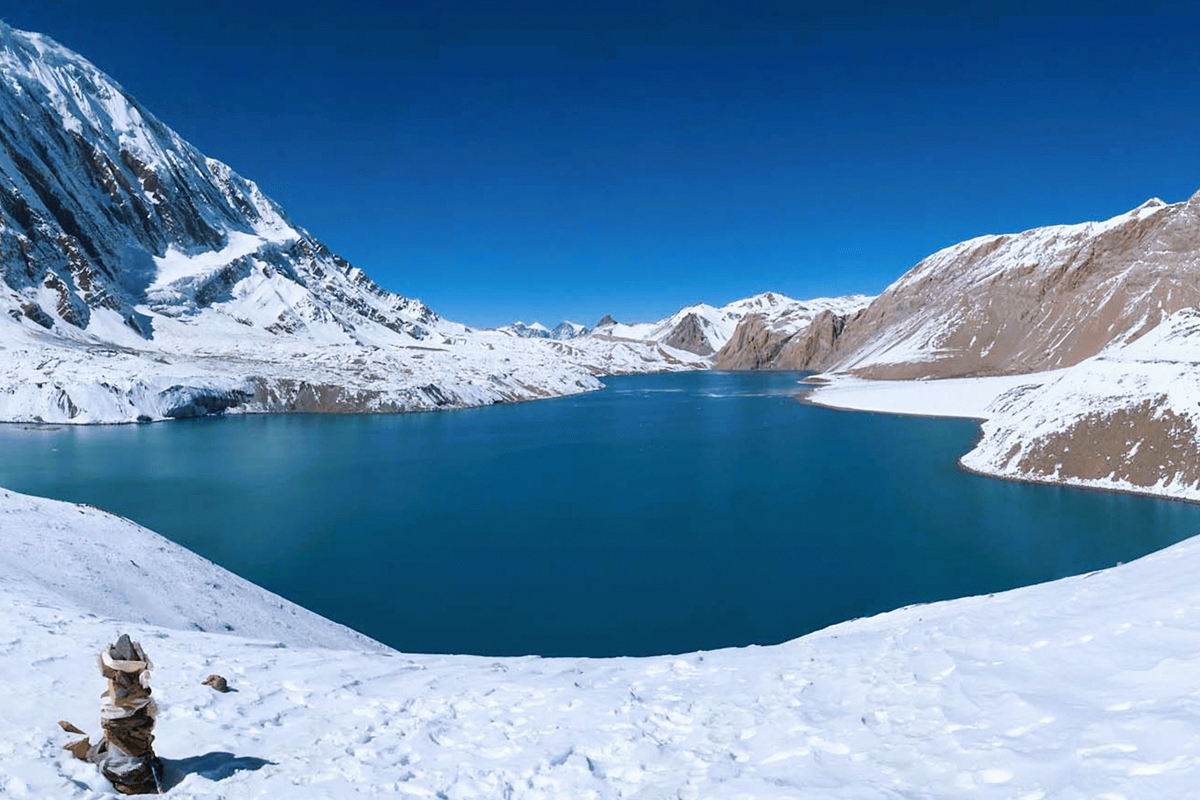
<point x="1127" y="419"/>
<point x="1043" y="299"/>
<point x="689" y="336"/>
<point x="758" y="344"/>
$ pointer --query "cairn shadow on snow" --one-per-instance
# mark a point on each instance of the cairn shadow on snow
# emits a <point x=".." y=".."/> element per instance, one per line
<point x="216" y="766"/>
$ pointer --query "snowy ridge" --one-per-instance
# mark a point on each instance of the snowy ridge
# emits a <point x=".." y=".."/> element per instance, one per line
<point x="93" y="382"/>
<point x="717" y="324"/>
<point x="536" y="330"/>
<point x="704" y="330"/>
<point x="1043" y="299"/>
<point x="1075" y="688"/>
<point x="785" y="314"/>
<point x="141" y="280"/>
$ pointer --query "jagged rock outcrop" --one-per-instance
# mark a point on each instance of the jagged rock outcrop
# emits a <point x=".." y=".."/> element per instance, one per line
<point x="757" y="344"/>
<point x="689" y="336"/>
<point x="754" y="345"/>
<point x="796" y="335"/>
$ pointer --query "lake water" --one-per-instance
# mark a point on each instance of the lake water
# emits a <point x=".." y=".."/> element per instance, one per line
<point x="665" y="514"/>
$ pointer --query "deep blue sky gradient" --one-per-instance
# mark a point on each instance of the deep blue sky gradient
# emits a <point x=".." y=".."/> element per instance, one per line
<point x="505" y="160"/>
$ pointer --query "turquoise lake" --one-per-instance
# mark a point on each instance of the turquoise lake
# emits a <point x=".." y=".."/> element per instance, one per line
<point x="664" y="514"/>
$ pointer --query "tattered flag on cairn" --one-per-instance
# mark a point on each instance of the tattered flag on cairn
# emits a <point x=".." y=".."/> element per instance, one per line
<point x="125" y="754"/>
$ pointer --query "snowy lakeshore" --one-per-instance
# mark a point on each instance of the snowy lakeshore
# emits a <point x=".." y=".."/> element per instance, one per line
<point x="1084" y="687"/>
<point x="1080" y="688"/>
<point x="1124" y="420"/>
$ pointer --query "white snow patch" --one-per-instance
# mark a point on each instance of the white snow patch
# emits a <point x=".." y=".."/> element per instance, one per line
<point x="952" y="397"/>
<point x="175" y="266"/>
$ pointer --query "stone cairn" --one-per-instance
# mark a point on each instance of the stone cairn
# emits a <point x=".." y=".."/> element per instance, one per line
<point x="125" y="753"/>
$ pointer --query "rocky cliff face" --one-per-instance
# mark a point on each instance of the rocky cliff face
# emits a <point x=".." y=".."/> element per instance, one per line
<point x="802" y="337"/>
<point x="745" y="334"/>
<point x="689" y="335"/>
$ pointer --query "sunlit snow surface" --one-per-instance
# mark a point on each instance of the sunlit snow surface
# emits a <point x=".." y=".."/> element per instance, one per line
<point x="1082" y="688"/>
<point x="968" y="398"/>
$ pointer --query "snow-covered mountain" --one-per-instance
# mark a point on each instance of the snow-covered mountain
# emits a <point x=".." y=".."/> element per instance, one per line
<point x="1097" y="323"/>
<point x="703" y="330"/>
<point x="110" y="218"/>
<point x="780" y="333"/>
<point x="536" y="330"/>
<point x="1043" y="299"/>
<point x="141" y="280"/>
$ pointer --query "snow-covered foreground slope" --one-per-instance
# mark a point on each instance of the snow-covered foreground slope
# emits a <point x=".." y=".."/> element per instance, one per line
<point x="1083" y="688"/>
<point x="60" y="553"/>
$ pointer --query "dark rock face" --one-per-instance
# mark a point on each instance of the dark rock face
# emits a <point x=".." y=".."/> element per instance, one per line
<point x="689" y="336"/>
<point x="187" y="403"/>
<point x="606" y="320"/>
<point x="753" y="346"/>
<point x="811" y="348"/>
<point x="35" y="313"/>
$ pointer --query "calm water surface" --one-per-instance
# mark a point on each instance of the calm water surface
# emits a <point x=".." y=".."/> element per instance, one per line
<point x="665" y="514"/>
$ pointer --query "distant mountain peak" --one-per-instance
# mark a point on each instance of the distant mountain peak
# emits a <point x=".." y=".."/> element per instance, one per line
<point x="535" y="330"/>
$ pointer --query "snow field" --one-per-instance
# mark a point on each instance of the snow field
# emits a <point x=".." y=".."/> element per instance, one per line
<point x="951" y="397"/>
<point x="1082" y="688"/>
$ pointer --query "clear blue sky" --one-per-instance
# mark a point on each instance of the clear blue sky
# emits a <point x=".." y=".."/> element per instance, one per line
<point x="505" y="160"/>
